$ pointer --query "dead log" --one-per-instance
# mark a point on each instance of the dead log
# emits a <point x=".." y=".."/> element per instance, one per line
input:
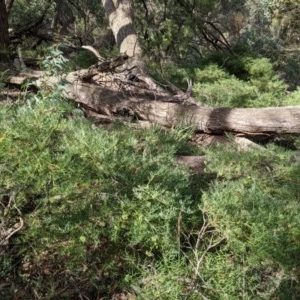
<point x="114" y="96"/>
<point x="220" y="120"/>
<point x="165" y="112"/>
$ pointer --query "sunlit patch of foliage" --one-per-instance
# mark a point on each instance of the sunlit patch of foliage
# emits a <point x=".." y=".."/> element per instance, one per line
<point x="238" y="82"/>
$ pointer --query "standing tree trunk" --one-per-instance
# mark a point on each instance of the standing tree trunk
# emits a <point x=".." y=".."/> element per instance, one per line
<point x="120" y="15"/>
<point x="4" y="38"/>
<point x="9" y="4"/>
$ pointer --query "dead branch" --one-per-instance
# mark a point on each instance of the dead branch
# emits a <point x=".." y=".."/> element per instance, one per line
<point x="6" y="230"/>
<point x="94" y="51"/>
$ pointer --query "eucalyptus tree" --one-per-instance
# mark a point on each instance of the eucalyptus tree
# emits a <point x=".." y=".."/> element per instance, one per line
<point x="121" y="15"/>
<point x="157" y="28"/>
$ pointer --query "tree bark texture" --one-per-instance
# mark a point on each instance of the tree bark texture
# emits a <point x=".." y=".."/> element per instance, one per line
<point x="4" y="38"/>
<point x="120" y="16"/>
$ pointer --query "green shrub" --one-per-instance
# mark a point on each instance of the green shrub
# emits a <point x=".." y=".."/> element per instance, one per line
<point x="255" y="206"/>
<point x="291" y="70"/>
<point x="229" y="92"/>
<point x="237" y="82"/>
<point x="3" y="77"/>
<point x="92" y="200"/>
<point x="210" y="74"/>
<point x="232" y="92"/>
<point x="293" y="98"/>
<point x="108" y="211"/>
<point x="82" y="60"/>
<point x="262" y="76"/>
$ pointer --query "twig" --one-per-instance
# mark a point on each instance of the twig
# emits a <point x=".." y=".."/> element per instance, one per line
<point x="179" y="230"/>
<point x="6" y="234"/>
<point x="200" y="238"/>
<point x="94" y="51"/>
<point x="15" y="231"/>
<point x="210" y="246"/>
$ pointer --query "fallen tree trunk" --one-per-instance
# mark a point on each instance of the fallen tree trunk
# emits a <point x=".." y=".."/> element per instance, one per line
<point x="169" y="111"/>
<point x="220" y="120"/>
<point x="112" y="96"/>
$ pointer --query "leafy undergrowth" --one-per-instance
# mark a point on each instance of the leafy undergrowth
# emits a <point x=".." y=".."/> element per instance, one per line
<point x="241" y="81"/>
<point x="107" y="213"/>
